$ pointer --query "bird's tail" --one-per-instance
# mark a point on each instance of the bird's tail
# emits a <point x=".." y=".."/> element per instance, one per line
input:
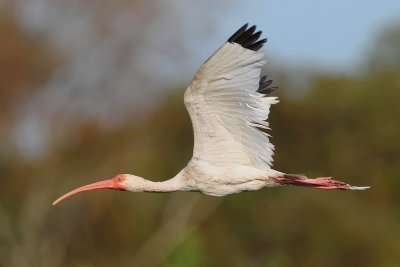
<point x="319" y="182"/>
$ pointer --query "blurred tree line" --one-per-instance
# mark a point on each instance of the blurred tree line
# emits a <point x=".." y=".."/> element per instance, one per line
<point x="344" y="126"/>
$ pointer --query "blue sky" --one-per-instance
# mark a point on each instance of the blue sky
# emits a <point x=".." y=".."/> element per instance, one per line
<point x="330" y="33"/>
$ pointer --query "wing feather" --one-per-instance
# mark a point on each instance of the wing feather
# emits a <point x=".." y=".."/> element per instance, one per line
<point x="228" y="105"/>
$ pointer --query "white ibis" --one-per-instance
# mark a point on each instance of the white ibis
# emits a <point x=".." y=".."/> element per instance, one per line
<point x="228" y="104"/>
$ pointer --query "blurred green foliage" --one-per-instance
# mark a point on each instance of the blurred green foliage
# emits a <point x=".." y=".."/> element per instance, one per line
<point x="343" y="126"/>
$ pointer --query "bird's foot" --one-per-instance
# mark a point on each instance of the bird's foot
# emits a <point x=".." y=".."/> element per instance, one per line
<point x="319" y="182"/>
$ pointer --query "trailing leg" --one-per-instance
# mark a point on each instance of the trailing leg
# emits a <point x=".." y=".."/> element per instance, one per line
<point x="319" y="182"/>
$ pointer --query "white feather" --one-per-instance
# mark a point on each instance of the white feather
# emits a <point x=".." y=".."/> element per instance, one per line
<point x="226" y="110"/>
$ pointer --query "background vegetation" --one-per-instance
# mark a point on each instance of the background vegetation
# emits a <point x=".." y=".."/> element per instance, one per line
<point x="346" y="126"/>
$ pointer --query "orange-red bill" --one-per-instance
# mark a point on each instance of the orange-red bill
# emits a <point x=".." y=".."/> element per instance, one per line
<point x="99" y="185"/>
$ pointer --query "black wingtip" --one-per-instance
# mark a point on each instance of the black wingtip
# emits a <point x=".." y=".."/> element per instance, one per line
<point x="237" y="33"/>
<point x="247" y="38"/>
<point x="264" y="86"/>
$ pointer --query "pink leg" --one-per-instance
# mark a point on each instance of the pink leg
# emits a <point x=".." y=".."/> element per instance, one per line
<point x="319" y="182"/>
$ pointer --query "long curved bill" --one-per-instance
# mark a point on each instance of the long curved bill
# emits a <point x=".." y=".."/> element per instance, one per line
<point x="99" y="185"/>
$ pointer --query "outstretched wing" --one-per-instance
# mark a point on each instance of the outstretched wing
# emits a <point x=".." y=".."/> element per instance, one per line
<point x="228" y="106"/>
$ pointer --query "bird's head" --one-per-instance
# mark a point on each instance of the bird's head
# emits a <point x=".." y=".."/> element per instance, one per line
<point x="119" y="182"/>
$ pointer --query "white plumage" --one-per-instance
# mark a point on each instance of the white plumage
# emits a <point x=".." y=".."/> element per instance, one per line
<point x="226" y="109"/>
<point x="228" y="104"/>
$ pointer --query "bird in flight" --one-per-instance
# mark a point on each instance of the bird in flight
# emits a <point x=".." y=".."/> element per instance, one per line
<point x="228" y="103"/>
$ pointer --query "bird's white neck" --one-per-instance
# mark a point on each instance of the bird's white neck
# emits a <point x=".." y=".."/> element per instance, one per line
<point x="139" y="184"/>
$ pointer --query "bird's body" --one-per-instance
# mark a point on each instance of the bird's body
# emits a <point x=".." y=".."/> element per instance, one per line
<point x="228" y="104"/>
<point x="203" y="176"/>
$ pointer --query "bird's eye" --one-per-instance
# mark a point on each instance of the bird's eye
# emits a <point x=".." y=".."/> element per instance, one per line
<point x="119" y="179"/>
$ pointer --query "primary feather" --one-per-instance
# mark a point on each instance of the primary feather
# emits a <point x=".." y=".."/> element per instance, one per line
<point x="228" y="106"/>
